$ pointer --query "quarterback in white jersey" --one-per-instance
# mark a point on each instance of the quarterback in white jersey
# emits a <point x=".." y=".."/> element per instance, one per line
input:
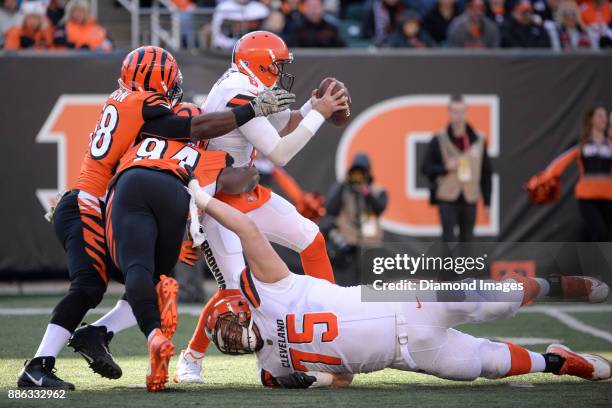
<point x="258" y="63"/>
<point x="307" y="332"/>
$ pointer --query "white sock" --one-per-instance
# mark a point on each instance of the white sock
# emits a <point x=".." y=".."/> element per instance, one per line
<point x="121" y="317"/>
<point x="538" y="363"/>
<point x="53" y="341"/>
<point x="544" y="287"/>
<point x="192" y="354"/>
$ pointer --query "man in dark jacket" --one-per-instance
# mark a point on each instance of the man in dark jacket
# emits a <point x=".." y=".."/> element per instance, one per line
<point x="521" y="32"/>
<point x="410" y="34"/>
<point x="314" y="30"/>
<point x="459" y="170"/>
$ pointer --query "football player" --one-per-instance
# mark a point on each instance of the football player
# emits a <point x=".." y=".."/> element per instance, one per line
<point x="259" y="62"/>
<point x="149" y="84"/>
<point x="308" y="332"/>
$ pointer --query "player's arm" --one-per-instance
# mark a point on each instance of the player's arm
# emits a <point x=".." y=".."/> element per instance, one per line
<point x="237" y="180"/>
<point x="160" y="120"/>
<point x="309" y="379"/>
<point x="266" y="139"/>
<point x="264" y="262"/>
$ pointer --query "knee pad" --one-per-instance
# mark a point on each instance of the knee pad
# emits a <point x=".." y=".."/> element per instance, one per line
<point x="495" y="359"/>
<point x="495" y="310"/>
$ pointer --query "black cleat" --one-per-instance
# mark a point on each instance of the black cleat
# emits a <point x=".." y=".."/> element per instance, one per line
<point x="39" y="372"/>
<point x="92" y="343"/>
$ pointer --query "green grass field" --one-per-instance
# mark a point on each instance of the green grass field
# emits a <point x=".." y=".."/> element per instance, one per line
<point x="233" y="381"/>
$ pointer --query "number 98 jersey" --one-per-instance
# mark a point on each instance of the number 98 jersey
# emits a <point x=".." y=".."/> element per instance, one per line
<point x="309" y="324"/>
<point x="126" y="116"/>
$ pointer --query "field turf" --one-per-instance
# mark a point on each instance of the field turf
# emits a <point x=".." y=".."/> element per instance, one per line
<point x="234" y="382"/>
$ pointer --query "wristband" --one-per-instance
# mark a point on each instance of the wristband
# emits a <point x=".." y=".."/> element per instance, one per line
<point x="243" y="114"/>
<point x="306" y="108"/>
<point x="323" y="379"/>
<point x="313" y="121"/>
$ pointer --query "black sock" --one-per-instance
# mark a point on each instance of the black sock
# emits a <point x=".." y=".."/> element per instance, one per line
<point x="554" y="363"/>
<point x="555" y="286"/>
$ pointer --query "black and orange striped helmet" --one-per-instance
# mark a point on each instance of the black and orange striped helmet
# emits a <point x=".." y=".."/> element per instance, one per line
<point x="152" y="69"/>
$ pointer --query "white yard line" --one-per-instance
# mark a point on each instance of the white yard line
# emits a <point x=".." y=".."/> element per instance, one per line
<point x="573" y="323"/>
<point x="37" y="311"/>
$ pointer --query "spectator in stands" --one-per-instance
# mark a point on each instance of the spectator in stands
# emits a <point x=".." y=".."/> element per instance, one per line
<point x="439" y="18"/>
<point x="293" y="14"/>
<point x="459" y="171"/>
<point x="597" y="16"/>
<point x="315" y="30"/>
<point x="569" y="33"/>
<point x="381" y="19"/>
<point x="234" y="18"/>
<point x="497" y="11"/>
<point x="8" y="10"/>
<point x="32" y="29"/>
<point x="546" y="9"/>
<point x="55" y="11"/>
<point x="473" y="29"/>
<point x="409" y="34"/>
<point x="79" y="30"/>
<point x="185" y="14"/>
<point x="520" y="31"/>
<point x="275" y="23"/>
<point x="353" y="207"/>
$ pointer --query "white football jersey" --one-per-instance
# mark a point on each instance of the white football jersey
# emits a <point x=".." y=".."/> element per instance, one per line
<point x="309" y="324"/>
<point x="234" y="89"/>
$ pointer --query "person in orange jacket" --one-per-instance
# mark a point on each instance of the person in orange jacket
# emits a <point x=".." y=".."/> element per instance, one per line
<point x="79" y="30"/>
<point x="32" y="30"/>
<point x="593" y="191"/>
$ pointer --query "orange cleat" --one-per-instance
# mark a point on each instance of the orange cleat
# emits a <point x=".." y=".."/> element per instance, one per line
<point x="167" y="300"/>
<point x="584" y="287"/>
<point x="161" y="351"/>
<point x="588" y="366"/>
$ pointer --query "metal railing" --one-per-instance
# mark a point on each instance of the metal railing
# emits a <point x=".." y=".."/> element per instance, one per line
<point x="170" y="37"/>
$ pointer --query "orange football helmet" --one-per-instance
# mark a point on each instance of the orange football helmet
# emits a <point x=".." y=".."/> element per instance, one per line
<point x="230" y="326"/>
<point x="263" y="55"/>
<point x="152" y="69"/>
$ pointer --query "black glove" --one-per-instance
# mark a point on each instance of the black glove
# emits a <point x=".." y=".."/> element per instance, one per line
<point x="296" y="380"/>
<point x="187" y="174"/>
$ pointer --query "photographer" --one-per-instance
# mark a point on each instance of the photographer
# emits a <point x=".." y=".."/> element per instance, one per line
<point x="353" y="208"/>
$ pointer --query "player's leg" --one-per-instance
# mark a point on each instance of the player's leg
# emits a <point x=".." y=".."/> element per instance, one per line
<point x="133" y="244"/>
<point x="282" y="224"/>
<point x="78" y="226"/>
<point x="223" y="253"/>
<point x="448" y="219"/>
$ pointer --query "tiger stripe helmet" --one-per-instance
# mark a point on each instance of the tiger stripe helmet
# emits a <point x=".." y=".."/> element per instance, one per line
<point x="263" y="55"/>
<point x="152" y="69"/>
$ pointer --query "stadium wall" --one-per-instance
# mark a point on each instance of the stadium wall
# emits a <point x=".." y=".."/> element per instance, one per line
<point x="528" y="105"/>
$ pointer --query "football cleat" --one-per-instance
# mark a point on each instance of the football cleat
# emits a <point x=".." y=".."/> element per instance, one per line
<point x="167" y="299"/>
<point x="39" y="372"/>
<point x="584" y="287"/>
<point x="161" y="351"/>
<point x="188" y="369"/>
<point x="588" y="366"/>
<point x="91" y="342"/>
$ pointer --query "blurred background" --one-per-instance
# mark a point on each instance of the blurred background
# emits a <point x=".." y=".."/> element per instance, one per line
<point x="529" y="80"/>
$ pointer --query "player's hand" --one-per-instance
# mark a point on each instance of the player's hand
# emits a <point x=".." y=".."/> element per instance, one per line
<point x="329" y="103"/>
<point x="272" y="101"/>
<point x="188" y="254"/>
<point x="296" y="380"/>
<point x="187" y="174"/>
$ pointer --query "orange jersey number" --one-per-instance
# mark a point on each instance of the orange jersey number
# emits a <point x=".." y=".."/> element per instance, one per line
<point x="309" y="320"/>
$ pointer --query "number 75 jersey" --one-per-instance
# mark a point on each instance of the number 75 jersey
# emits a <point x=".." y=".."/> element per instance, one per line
<point x="126" y="116"/>
<point x="309" y="324"/>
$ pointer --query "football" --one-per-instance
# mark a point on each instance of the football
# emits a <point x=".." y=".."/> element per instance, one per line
<point x="339" y="118"/>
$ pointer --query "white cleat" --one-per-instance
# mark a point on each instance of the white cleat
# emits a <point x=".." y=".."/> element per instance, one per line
<point x="588" y="366"/>
<point x="188" y="369"/>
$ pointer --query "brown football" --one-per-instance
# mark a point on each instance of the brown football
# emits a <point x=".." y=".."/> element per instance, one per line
<point x="338" y="118"/>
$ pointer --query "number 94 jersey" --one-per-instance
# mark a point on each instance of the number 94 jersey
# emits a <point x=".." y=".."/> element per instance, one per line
<point x="125" y="117"/>
<point x="309" y="324"/>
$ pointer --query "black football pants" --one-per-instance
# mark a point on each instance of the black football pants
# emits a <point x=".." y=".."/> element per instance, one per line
<point x="146" y="217"/>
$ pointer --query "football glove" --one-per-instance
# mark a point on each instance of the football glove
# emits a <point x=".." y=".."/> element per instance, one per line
<point x="272" y="101"/>
<point x="188" y="254"/>
<point x="296" y="380"/>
